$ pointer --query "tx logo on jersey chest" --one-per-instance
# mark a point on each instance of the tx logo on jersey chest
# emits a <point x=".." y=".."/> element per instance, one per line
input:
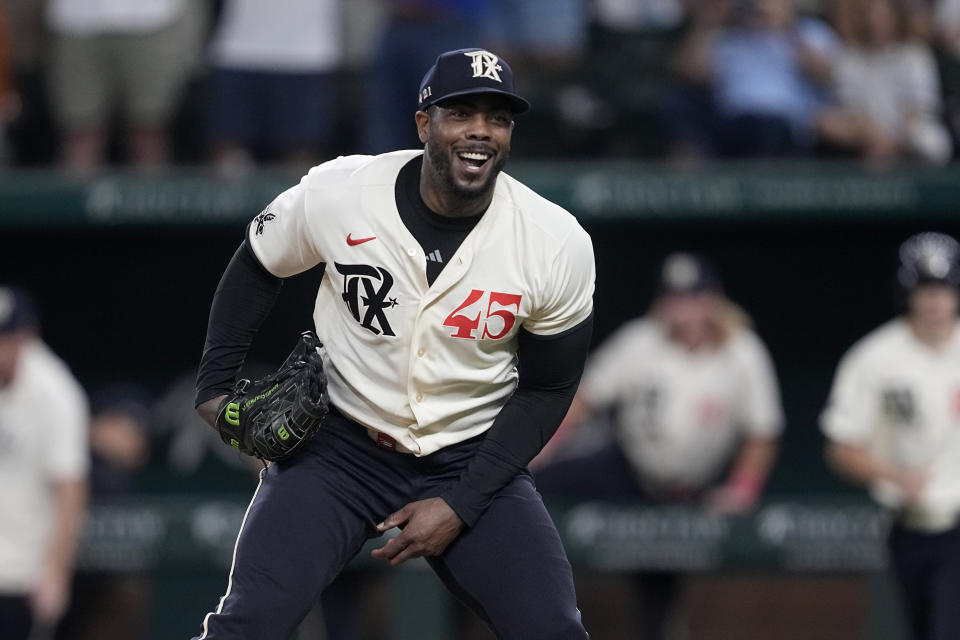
<point x="365" y="291"/>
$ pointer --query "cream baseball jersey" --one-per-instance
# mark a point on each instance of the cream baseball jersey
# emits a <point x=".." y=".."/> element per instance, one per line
<point x="43" y="438"/>
<point x="682" y="413"/>
<point x="900" y="399"/>
<point x="428" y="365"/>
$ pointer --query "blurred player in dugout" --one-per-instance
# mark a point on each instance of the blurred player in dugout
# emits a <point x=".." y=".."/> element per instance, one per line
<point x="893" y="424"/>
<point x="43" y="473"/>
<point x="696" y="415"/>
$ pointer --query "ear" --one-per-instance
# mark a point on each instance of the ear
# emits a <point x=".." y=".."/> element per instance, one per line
<point x="423" y="126"/>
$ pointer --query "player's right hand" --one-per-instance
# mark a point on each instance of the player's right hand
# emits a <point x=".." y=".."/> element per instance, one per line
<point x="429" y="526"/>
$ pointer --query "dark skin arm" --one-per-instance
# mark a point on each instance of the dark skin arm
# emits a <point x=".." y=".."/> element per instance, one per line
<point x="208" y="410"/>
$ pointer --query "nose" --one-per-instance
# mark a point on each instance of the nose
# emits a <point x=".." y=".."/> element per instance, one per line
<point x="478" y="127"/>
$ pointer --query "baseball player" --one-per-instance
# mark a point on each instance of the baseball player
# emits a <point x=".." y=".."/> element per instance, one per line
<point x="455" y="316"/>
<point x="696" y="414"/>
<point x="43" y="471"/>
<point x="893" y="424"/>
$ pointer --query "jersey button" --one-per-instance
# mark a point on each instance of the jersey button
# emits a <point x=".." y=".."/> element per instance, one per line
<point x="419" y="397"/>
<point x="411" y="252"/>
<point x="420" y="352"/>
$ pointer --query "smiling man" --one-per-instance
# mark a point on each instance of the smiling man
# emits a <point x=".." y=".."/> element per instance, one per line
<point x="455" y="313"/>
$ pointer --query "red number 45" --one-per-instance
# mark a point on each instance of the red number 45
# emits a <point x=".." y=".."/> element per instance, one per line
<point x="466" y="325"/>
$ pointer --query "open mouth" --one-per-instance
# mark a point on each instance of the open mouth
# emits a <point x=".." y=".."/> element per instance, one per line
<point x="473" y="161"/>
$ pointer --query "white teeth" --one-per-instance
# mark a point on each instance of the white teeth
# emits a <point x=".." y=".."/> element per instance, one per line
<point x="470" y="155"/>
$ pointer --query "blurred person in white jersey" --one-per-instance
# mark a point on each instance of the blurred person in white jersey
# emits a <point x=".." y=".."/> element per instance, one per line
<point x="696" y="416"/>
<point x="893" y="424"/>
<point x="43" y="470"/>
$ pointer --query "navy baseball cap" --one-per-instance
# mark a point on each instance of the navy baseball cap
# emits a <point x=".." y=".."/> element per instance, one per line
<point x="929" y="257"/>
<point x="468" y="72"/>
<point x="688" y="273"/>
<point x="17" y="310"/>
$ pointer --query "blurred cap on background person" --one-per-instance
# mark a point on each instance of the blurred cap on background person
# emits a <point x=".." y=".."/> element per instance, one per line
<point x="688" y="273"/>
<point x="17" y="309"/>
<point x="929" y="258"/>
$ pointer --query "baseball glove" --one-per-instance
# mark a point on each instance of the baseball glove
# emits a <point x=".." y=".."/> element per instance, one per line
<point x="271" y="417"/>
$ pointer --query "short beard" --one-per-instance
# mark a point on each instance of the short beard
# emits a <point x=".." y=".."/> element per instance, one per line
<point x="440" y="161"/>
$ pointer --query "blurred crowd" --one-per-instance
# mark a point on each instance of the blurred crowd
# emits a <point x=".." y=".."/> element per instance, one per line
<point x="236" y="83"/>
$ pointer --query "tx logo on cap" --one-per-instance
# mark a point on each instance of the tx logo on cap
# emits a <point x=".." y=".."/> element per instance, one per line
<point x="453" y="76"/>
<point x="485" y="65"/>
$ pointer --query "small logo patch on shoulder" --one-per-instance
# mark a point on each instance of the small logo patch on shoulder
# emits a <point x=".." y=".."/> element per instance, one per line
<point x="263" y="218"/>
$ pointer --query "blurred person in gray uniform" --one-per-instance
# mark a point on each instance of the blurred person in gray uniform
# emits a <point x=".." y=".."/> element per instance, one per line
<point x="697" y="416"/>
<point x="893" y="424"/>
<point x="43" y="472"/>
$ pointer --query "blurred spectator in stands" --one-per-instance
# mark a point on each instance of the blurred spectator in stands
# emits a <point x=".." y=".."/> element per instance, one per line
<point x="31" y="131"/>
<point x="946" y="36"/>
<point x="886" y="86"/>
<point x="607" y="105"/>
<point x="766" y="73"/>
<point x="947" y="24"/>
<point x="550" y="34"/>
<point x="893" y="425"/>
<point x="636" y="15"/>
<point x="414" y="34"/>
<point x="43" y="472"/>
<point x="547" y="40"/>
<point x="697" y="415"/>
<point x="113" y="605"/>
<point x="8" y="95"/>
<point x="127" y="56"/>
<point x="273" y="85"/>
<point x="687" y="111"/>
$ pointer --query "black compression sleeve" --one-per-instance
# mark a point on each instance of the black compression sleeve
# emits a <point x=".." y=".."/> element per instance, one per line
<point x="244" y="298"/>
<point x="550" y="370"/>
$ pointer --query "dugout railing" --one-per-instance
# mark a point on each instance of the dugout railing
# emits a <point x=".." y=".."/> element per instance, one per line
<point x="185" y="543"/>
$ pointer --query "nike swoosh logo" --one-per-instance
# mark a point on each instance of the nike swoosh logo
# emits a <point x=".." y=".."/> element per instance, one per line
<point x="353" y="243"/>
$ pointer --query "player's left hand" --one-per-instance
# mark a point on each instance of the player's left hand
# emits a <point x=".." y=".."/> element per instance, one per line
<point x="429" y="526"/>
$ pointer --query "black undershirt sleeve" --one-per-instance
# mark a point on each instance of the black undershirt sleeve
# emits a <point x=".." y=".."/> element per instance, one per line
<point x="550" y="369"/>
<point x="244" y="298"/>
